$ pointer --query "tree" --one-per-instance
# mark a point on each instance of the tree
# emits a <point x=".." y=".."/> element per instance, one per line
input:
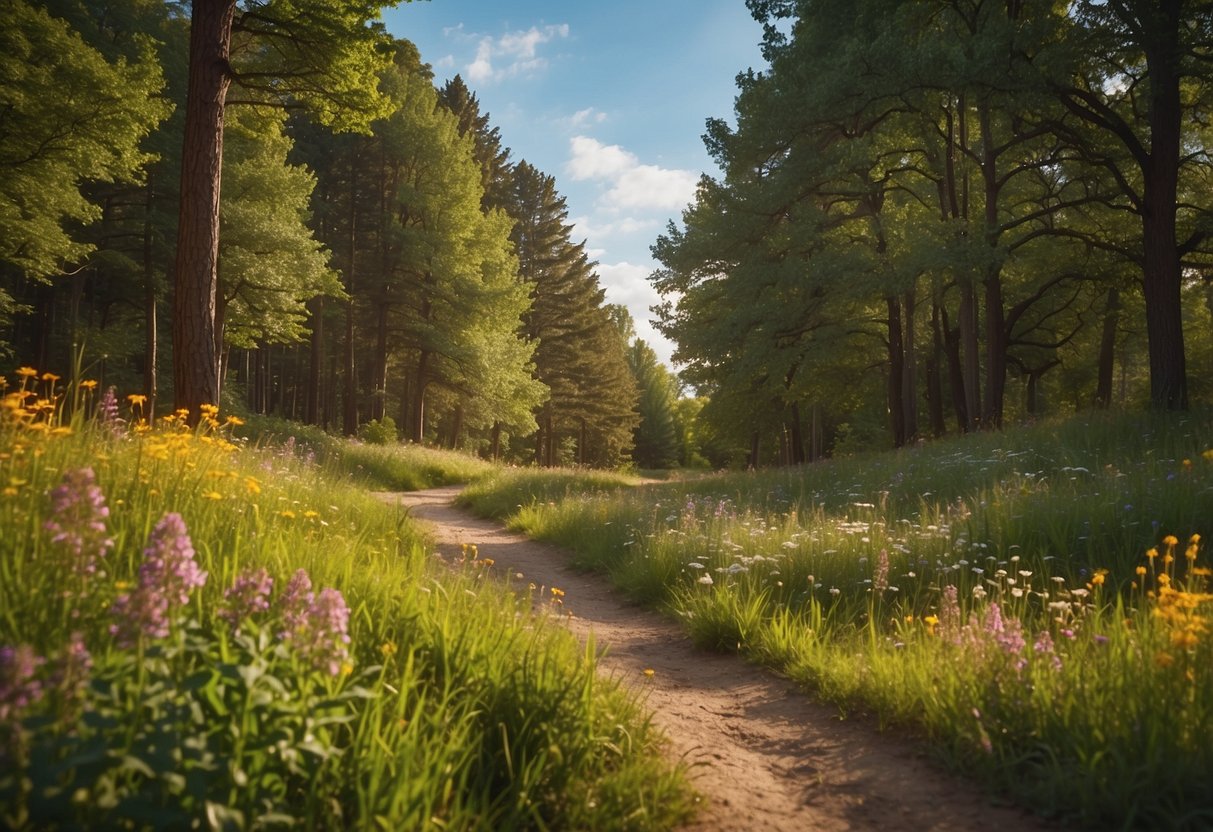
<point x="580" y="353"/>
<point x="656" y="437"/>
<point x="53" y="143"/>
<point x="322" y="56"/>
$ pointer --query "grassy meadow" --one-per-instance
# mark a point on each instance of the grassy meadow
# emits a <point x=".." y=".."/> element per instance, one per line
<point x="201" y="632"/>
<point x="1034" y="604"/>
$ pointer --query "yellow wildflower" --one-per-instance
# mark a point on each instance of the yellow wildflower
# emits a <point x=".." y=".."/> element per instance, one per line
<point x="648" y="672"/>
<point x="89" y="384"/>
<point x="137" y="399"/>
<point x="388" y="649"/>
<point x="212" y="495"/>
<point x="26" y="372"/>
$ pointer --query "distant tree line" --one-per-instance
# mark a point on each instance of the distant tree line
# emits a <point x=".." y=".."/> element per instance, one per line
<point x="374" y="253"/>
<point x="934" y="215"/>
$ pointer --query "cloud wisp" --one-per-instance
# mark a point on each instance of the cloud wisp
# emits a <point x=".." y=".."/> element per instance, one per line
<point x="513" y="54"/>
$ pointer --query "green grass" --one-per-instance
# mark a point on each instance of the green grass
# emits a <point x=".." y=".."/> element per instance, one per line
<point x="1091" y="701"/>
<point x="389" y="467"/>
<point x="453" y="705"/>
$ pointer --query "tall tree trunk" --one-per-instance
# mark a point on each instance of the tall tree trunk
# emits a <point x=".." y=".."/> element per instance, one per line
<point x="195" y="359"/>
<point x="379" y="381"/>
<point x="417" y="434"/>
<point x="350" y="412"/>
<point x="797" y="436"/>
<point x="935" y="376"/>
<point x="894" y="344"/>
<point x="755" y="447"/>
<point x="315" y="375"/>
<point x="968" y="351"/>
<point x="150" y="343"/>
<point x="909" y="367"/>
<point x="495" y="442"/>
<point x="956" y="380"/>
<point x="1162" y="277"/>
<point x="1107" y="350"/>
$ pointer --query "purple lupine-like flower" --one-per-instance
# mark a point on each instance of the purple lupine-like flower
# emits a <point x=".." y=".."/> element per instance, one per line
<point x="249" y="595"/>
<point x="19" y="683"/>
<point x="107" y="410"/>
<point x="77" y="522"/>
<point x="294" y="603"/>
<point x="323" y="637"/>
<point x="168" y="574"/>
<point x="880" y="574"/>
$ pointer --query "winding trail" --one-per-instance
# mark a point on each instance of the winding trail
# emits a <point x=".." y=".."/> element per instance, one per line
<point x="763" y="755"/>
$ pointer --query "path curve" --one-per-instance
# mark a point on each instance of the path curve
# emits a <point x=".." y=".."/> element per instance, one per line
<point x="764" y="756"/>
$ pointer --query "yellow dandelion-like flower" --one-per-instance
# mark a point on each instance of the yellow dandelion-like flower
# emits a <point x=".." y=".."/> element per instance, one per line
<point x="1171" y="540"/>
<point x="311" y="514"/>
<point x="388" y="649"/>
<point x="488" y="561"/>
<point x="1201" y="571"/>
<point x="1141" y="570"/>
<point x="212" y="495"/>
<point x="9" y="491"/>
<point x="1164" y="659"/>
<point x="89" y="384"/>
<point x="234" y="421"/>
<point x="51" y="377"/>
<point x="649" y="672"/>
<point x="61" y="430"/>
<point x="287" y="513"/>
<point x="137" y="399"/>
<point x="347" y="668"/>
<point x="211" y="410"/>
<point x="557" y="593"/>
<point x="26" y="372"/>
<point x="1208" y="455"/>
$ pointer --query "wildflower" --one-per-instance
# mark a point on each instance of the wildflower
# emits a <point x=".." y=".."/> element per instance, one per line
<point x="388" y="649"/>
<point x="649" y="672"/>
<point x="168" y="574"/>
<point x="557" y="593"/>
<point x="77" y="523"/>
<point x="706" y="580"/>
<point x="294" y="602"/>
<point x="27" y="372"/>
<point x="212" y="495"/>
<point x="931" y="621"/>
<point x="880" y="575"/>
<point x="1045" y="647"/>
<point x="19" y="685"/>
<point x="322" y="636"/>
<point x="949" y="612"/>
<point x="249" y="595"/>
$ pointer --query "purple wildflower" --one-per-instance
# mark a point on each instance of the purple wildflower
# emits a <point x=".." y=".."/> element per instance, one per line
<point x="166" y="578"/>
<point x="19" y="685"/>
<point x="247" y="597"/>
<point x="295" y="602"/>
<point x="107" y="411"/>
<point x="1045" y="647"/>
<point x="77" y="523"/>
<point x="880" y="574"/>
<point x="323" y="637"/>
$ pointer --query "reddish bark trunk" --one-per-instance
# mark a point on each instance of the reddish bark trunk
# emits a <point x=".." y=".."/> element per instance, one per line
<point x="195" y="358"/>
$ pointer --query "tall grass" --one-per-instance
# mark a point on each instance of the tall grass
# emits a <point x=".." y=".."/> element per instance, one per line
<point x="993" y="594"/>
<point x="452" y="705"/>
<point x="393" y="466"/>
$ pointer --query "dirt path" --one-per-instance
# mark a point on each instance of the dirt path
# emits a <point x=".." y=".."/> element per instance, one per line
<point x="764" y="756"/>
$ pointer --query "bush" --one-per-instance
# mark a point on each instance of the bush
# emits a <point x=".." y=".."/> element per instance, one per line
<point x="378" y="431"/>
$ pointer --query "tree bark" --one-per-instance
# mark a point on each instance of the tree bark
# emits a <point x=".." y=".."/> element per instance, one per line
<point x="896" y="360"/>
<point x="1107" y="350"/>
<point x="909" y="368"/>
<point x="315" y="376"/>
<point x="195" y="358"/>
<point x="422" y="381"/>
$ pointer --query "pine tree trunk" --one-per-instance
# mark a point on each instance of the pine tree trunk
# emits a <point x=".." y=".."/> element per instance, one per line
<point x="379" y="382"/>
<point x="909" y="367"/>
<point x="1107" y="350"/>
<point x="968" y="349"/>
<point x="1162" y="277"/>
<point x="315" y="376"/>
<point x="755" y="447"/>
<point x="935" y="376"/>
<point x="797" y="436"/>
<point x="149" y="306"/>
<point x="195" y="359"/>
<point x="893" y="382"/>
<point x="421" y="382"/>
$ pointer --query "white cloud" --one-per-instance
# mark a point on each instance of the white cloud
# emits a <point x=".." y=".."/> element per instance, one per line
<point x="586" y="117"/>
<point x="627" y="283"/>
<point x="594" y="230"/>
<point x="512" y="54"/>
<point x="632" y="185"/>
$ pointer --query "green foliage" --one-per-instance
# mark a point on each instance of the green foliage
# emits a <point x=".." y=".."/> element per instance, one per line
<point x="376" y="432"/>
<point x="994" y="595"/>
<point x="55" y="144"/>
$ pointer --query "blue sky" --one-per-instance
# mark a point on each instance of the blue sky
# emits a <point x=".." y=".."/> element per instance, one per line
<point x="608" y="97"/>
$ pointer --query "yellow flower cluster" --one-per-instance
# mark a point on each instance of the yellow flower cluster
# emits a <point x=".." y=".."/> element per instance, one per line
<point x="1180" y="602"/>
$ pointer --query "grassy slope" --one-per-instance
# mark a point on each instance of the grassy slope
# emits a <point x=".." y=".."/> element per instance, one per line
<point x="457" y="706"/>
<point x="1088" y="695"/>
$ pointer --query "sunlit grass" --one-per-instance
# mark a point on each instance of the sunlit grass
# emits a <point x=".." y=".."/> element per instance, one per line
<point x="992" y="594"/>
<point x="453" y="705"/>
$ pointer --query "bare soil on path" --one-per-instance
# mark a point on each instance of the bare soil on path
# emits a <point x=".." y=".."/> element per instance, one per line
<point x="762" y="754"/>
